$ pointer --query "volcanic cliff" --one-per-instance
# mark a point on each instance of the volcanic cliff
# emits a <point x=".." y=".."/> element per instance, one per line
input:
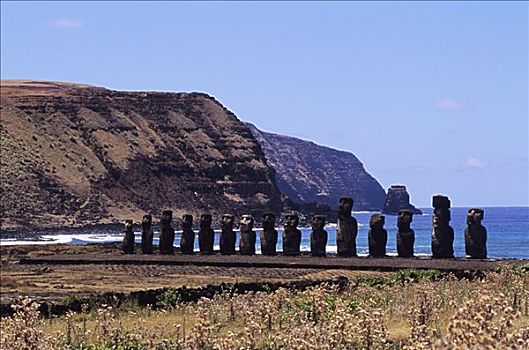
<point x="307" y="172"/>
<point x="398" y="198"/>
<point x="74" y="154"/>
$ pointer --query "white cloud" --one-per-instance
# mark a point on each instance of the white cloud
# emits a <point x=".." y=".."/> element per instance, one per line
<point x="64" y="23"/>
<point x="449" y="103"/>
<point x="473" y="162"/>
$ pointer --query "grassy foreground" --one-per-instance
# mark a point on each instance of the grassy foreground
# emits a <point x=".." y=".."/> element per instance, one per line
<point x="404" y="310"/>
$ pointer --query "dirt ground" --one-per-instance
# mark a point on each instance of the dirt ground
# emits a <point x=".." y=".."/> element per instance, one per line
<point x="56" y="281"/>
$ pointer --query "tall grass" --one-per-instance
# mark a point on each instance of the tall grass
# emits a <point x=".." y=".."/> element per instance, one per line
<point x="423" y="312"/>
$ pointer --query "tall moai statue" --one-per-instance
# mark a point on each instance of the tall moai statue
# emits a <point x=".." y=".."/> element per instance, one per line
<point x="227" y="235"/>
<point x="318" y="237"/>
<point x="405" y="235"/>
<point x="347" y="228"/>
<point x="269" y="234"/>
<point x="206" y="235"/>
<point x="442" y="233"/>
<point x="166" y="233"/>
<point x="291" y="235"/>
<point x="248" y="237"/>
<point x="475" y="235"/>
<point x="128" y="239"/>
<point x="377" y="236"/>
<point x="146" y="234"/>
<point x="187" y="240"/>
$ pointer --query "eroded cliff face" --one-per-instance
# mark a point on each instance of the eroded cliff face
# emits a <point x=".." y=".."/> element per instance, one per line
<point x="74" y="154"/>
<point x="307" y="172"/>
<point x="398" y="198"/>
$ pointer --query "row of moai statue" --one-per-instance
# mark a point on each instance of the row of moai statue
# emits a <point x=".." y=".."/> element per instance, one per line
<point x="442" y="233"/>
<point x="247" y="241"/>
<point x="346" y="233"/>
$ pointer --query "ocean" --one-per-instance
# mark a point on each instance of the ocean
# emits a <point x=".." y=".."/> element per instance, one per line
<point x="507" y="227"/>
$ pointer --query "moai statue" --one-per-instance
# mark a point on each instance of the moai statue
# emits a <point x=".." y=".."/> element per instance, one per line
<point x="378" y="236"/>
<point x="206" y="235"/>
<point x="248" y="237"/>
<point x="269" y="234"/>
<point x="128" y="239"/>
<point x="442" y="233"/>
<point x="347" y="228"/>
<point x="291" y="235"/>
<point x="405" y="235"/>
<point x="475" y="235"/>
<point x="146" y="234"/>
<point x="227" y="236"/>
<point x="166" y="233"/>
<point x="187" y="241"/>
<point x="318" y="237"/>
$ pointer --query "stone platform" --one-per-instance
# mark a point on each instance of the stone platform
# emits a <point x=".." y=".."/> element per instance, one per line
<point x="279" y="261"/>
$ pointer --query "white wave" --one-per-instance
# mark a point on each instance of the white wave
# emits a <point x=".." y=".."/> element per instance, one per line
<point x="335" y="225"/>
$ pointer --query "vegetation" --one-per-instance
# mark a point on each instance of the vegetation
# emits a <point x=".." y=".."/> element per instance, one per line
<point x="406" y="310"/>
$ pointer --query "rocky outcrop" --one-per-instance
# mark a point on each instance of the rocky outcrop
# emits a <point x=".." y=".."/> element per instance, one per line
<point x="397" y="199"/>
<point x="75" y="154"/>
<point x="307" y="172"/>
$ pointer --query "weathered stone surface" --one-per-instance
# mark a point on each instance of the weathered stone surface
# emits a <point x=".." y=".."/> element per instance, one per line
<point x="269" y="234"/>
<point x="377" y="236"/>
<point x="227" y="235"/>
<point x="346" y="228"/>
<point x="442" y="233"/>
<point x="441" y="202"/>
<point x="128" y="239"/>
<point x="248" y="237"/>
<point x="396" y="199"/>
<point x="187" y="241"/>
<point x="147" y="234"/>
<point x="475" y="234"/>
<point x="318" y="237"/>
<point x="291" y="235"/>
<point x="166" y="233"/>
<point x="307" y="172"/>
<point x="405" y="235"/>
<point x="206" y="235"/>
<point x="83" y="153"/>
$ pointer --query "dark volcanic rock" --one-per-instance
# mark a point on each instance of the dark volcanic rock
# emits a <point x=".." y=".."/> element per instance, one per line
<point x="76" y="155"/>
<point x="475" y="234"/>
<point x="307" y="172"/>
<point x="397" y="199"/>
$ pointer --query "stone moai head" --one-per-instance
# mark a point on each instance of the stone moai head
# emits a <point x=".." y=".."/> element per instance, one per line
<point x="269" y="221"/>
<point x="441" y="212"/>
<point x="405" y="217"/>
<point x="291" y="221"/>
<point x="318" y="222"/>
<point x="246" y="223"/>
<point x="475" y="216"/>
<point x="187" y="221"/>
<point x="205" y="221"/>
<point x="167" y="216"/>
<point x="128" y="225"/>
<point x="377" y="221"/>
<point x="441" y="217"/>
<point x="147" y="219"/>
<point x="345" y="207"/>
<point x="227" y="222"/>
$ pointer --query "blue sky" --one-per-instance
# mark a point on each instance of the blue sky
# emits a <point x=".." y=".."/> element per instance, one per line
<point x="433" y="95"/>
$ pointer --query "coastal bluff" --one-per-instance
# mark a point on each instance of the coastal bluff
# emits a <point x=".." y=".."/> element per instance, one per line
<point x="75" y="155"/>
<point x="307" y="172"/>
<point x="398" y="198"/>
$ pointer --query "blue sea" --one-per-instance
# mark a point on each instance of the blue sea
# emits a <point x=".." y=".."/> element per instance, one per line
<point x="508" y="234"/>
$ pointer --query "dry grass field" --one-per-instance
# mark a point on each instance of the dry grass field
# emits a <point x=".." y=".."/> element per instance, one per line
<point x="405" y="310"/>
